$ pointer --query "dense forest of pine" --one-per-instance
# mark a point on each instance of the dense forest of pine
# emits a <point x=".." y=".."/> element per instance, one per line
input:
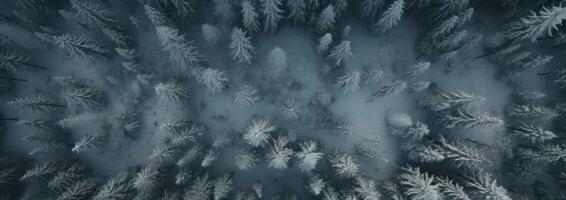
<point x="282" y="99"/>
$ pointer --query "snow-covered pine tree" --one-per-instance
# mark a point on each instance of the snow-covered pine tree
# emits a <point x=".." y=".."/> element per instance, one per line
<point x="34" y="104"/>
<point x="133" y="67"/>
<point x="172" y="91"/>
<point x="129" y="122"/>
<point x="532" y="111"/>
<point x="461" y="155"/>
<point x="185" y="134"/>
<point x="162" y="152"/>
<point x="246" y="159"/>
<point x="31" y="6"/>
<point x="316" y="184"/>
<point x="393" y="190"/>
<point x="370" y="152"/>
<point x="258" y="189"/>
<point x="530" y="96"/>
<point x="465" y="119"/>
<point x="391" y="88"/>
<point x="419" y="185"/>
<point x="349" y="195"/>
<point x="370" y="8"/>
<point x="189" y="156"/>
<point x="279" y="154"/>
<point x="222" y="186"/>
<point x="426" y="154"/>
<point x="101" y="19"/>
<point x="445" y="28"/>
<point x="532" y="62"/>
<point x="241" y="46"/>
<point x="308" y="157"/>
<point x="340" y="6"/>
<point x="345" y="127"/>
<point x="184" y="7"/>
<point x="84" y="96"/>
<point x="42" y="169"/>
<point x="12" y="61"/>
<point x="326" y="19"/>
<point x="330" y="194"/>
<point x="222" y="140"/>
<point x="118" y="187"/>
<point x="417" y="69"/>
<point x="290" y="109"/>
<point x="272" y="13"/>
<point x="415" y="132"/>
<point x="213" y="79"/>
<point x="93" y="14"/>
<point x="451" y="189"/>
<point x="200" y="189"/>
<point x="246" y="95"/>
<point x="156" y="17"/>
<point x="127" y="53"/>
<point x="245" y="196"/>
<point x="90" y="142"/>
<point x="391" y="17"/>
<point x="209" y="157"/>
<point x="485" y="186"/>
<point x="453" y="41"/>
<point x="349" y="82"/>
<point x="450" y="7"/>
<point x="224" y="9"/>
<point x="176" y="127"/>
<point x="538" y="25"/>
<point x="341" y="53"/>
<point x="438" y="100"/>
<point x="81" y="47"/>
<point x="182" y="176"/>
<point x="181" y="51"/>
<point x="324" y="43"/>
<point x="533" y="133"/>
<point x="65" y="178"/>
<point x="42" y="124"/>
<point x="296" y="10"/>
<point x="516" y="58"/>
<point x="48" y="147"/>
<point x="250" y="16"/>
<point x="211" y="34"/>
<point x="502" y="51"/>
<point x="549" y="153"/>
<point x="366" y="189"/>
<point x="372" y="76"/>
<point x="146" y="178"/>
<point x="81" y="189"/>
<point x="257" y="134"/>
<point x="277" y="61"/>
<point x="345" y="166"/>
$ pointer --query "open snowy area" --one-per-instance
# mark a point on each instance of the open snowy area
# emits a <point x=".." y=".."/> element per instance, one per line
<point x="282" y="99"/>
